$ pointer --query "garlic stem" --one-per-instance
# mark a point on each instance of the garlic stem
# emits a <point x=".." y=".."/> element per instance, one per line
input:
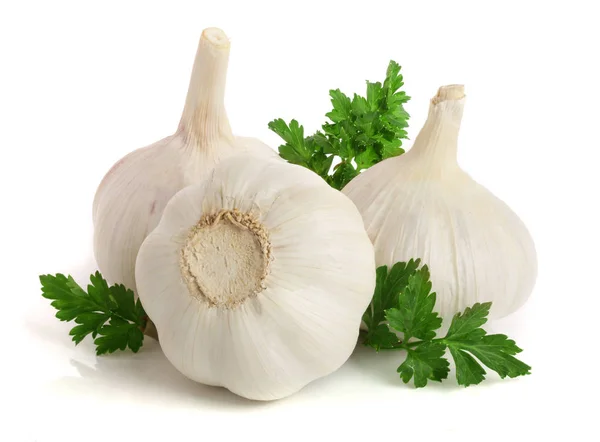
<point x="438" y="139"/>
<point x="204" y="118"/>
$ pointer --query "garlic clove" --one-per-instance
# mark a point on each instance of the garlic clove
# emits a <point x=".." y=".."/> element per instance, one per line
<point x="132" y="196"/>
<point x="423" y="205"/>
<point x="257" y="278"/>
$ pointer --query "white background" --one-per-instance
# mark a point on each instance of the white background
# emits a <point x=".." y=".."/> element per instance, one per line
<point x="82" y="84"/>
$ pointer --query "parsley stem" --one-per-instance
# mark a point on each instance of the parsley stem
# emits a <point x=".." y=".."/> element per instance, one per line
<point x="412" y="344"/>
<point x="404" y="345"/>
<point x="398" y="346"/>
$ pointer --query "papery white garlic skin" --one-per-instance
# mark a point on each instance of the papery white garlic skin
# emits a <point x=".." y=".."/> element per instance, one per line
<point x="132" y="196"/>
<point x="262" y="332"/>
<point x="423" y="205"/>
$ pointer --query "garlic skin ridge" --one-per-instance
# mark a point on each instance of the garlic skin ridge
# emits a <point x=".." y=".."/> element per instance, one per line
<point x="423" y="205"/>
<point x="132" y="196"/>
<point x="257" y="278"/>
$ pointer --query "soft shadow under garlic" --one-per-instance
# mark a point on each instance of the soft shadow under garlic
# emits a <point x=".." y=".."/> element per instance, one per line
<point x="149" y="378"/>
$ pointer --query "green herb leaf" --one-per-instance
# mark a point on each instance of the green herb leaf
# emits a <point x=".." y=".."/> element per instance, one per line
<point x="374" y="95"/>
<point x="111" y="312"/>
<point x="468" y="370"/>
<point x="295" y="150"/>
<point x="495" y="352"/>
<point x="404" y="299"/>
<point x="344" y="172"/>
<point x="361" y="132"/>
<point x="387" y="289"/>
<point x="381" y="337"/>
<point x="342" y="107"/>
<point x="425" y="362"/>
<point x="367" y="158"/>
<point x="391" y="149"/>
<point x="467" y="325"/>
<point x="414" y="315"/>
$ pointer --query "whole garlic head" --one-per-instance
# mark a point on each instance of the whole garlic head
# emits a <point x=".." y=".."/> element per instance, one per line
<point x="132" y="196"/>
<point x="423" y="205"/>
<point x="257" y="278"/>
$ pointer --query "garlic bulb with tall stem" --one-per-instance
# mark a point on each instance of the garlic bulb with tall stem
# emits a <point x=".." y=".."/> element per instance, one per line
<point x="132" y="196"/>
<point x="423" y="205"/>
<point x="257" y="278"/>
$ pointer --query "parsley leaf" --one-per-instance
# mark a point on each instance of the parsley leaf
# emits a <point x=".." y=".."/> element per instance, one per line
<point x="294" y="150"/>
<point x="111" y="315"/>
<point x="425" y="362"/>
<point x="380" y="337"/>
<point x="466" y="325"/>
<point x="403" y="297"/>
<point x="414" y="315"/>
<point x="387" y="288"/>
<point x="465" y="336"/>
<point x="361" y="131"/>
<point x="494" y="351"/>
<point x="468" y="370"/>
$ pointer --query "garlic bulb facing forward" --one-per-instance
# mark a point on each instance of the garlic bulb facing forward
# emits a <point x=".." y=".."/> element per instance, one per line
<point x="423" y="205"/>
<point x="132" y="196"/>
<point x="257" y="278"/>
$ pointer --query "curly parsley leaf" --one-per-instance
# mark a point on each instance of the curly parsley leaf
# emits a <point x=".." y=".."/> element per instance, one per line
<point x="361" y="131"/>
<point x="403" y="297"/>
<point x="109" y="313"/>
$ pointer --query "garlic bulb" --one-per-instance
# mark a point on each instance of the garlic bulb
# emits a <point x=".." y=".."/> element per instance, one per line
<point x="132" y="196"/>
<point x="257" y="278"/>
<point x="423" y="205"/>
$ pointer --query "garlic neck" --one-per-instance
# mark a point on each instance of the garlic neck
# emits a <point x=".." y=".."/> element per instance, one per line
<point x="204" y="119"/>
<point x="437" y="142"/>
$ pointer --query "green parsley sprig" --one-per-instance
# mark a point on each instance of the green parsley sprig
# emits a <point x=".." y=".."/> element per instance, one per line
<point x="403" y="302"/>
<point x="362" y="131"/>
<point x="111" y="315"/>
